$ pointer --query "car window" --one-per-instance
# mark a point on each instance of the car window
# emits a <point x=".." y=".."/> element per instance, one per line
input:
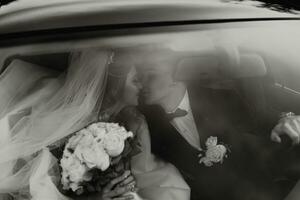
<point x="201" y="103"/>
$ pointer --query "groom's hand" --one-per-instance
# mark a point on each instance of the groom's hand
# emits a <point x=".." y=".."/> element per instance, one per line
<point x="288" y="126"/>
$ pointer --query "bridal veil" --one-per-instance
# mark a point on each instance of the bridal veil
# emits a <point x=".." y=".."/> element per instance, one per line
<point x="63" y="108"/>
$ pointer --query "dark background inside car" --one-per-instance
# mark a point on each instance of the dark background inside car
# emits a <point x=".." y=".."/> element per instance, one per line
<point x="55" y="61"/>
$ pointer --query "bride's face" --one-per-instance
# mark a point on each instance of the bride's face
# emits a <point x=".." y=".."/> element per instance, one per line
<point x="131" y="88"/>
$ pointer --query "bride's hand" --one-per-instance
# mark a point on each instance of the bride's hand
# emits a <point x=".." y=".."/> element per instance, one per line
<point x="118" y="188"/>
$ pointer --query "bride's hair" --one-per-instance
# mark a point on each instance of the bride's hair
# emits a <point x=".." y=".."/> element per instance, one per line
<point x="118" y="70"/>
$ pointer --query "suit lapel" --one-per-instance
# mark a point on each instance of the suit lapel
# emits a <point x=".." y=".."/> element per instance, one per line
<point x="163" y="133"/>
<point x="203" y="113"/>
<point x="171" y="133"/>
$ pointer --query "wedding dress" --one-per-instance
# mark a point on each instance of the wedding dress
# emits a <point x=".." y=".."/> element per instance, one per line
<point x="39" y="108"/>
<point x="155" y="178"/>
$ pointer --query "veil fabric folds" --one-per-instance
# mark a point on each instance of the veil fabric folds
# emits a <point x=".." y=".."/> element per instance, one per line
<point x="47" y="115"/>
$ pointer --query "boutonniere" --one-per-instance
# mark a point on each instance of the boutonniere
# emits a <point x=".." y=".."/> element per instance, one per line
<point x="214" y="153"/>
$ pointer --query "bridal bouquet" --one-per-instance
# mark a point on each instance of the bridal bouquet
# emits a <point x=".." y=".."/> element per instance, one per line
<point x="95" y="155"/>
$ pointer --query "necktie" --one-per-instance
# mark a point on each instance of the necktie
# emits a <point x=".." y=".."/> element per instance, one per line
<point x="178" y="113"/>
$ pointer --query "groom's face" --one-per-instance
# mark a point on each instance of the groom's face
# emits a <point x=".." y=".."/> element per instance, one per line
<point x="156" y="80"/>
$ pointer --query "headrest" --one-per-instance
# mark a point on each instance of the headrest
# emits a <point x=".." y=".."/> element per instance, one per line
<point x="215" y="67"/>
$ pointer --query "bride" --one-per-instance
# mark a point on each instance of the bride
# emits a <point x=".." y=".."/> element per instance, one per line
<point x="100" y="85"/>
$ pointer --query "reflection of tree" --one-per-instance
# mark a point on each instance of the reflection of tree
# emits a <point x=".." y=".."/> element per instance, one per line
<point x="280" y="5"/>
<point x="5" y="2"/>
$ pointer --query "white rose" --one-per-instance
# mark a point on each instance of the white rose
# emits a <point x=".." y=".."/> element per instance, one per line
<point x="94" y="156"/>
<point x="101" y="125"/>
<point x="73" y="173"/>
<point x="85" y="155"/>
<point x="102" y="159"/>
<point x="86" y="141"/>
<point x="111" y="126"/>
<point x="67" y="161"/>
<point x="74" y="140"/>
<point x="92" y="127"/>
<point x="114" y="144"/>
<point x="216" y="154"/>
<point x="76" y="171"/>
<point x="211" y="141"/>
<point x="96" y="131"/>
<point x="206" y="162"/>
<point x="100" y="136"/>
<point x="78" y="152"/>
<point x="65" y="181"/>
<point x="74" y="186"/>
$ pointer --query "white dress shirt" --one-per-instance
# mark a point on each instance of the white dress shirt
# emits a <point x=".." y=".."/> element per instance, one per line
<point x="186" y="125"/>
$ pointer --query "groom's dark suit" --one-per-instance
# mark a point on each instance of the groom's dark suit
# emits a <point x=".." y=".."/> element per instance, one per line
<point x="254" y="166"/>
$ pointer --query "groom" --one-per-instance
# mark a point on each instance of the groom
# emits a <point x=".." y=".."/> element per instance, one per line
<point x="182" y="116"/>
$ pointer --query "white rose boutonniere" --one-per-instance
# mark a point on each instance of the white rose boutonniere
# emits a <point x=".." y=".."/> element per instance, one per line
<point x="214" y="153"/>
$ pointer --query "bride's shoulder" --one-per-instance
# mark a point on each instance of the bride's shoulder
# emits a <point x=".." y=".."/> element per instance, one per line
<point x="133" y="114"/>
<point x="132" y="118"/>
